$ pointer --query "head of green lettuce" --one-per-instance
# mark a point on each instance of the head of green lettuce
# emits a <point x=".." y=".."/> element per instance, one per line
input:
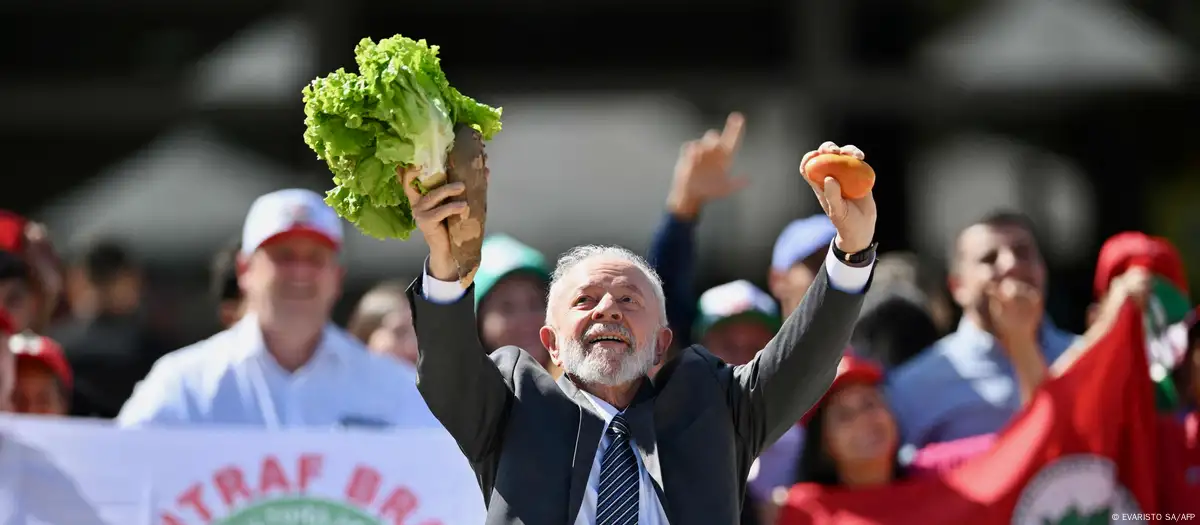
<point x="397" y="111"/>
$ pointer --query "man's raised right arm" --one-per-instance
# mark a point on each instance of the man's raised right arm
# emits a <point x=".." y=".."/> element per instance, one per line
<point x="462" y="386"/>
<point x="464" y="389"/>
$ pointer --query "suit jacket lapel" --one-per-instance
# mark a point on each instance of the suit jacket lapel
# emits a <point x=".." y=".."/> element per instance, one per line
<point x="641" y="424"/>
<point x="587" y="439"/>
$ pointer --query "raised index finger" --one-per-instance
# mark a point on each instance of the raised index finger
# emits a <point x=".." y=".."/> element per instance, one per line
<point x="731" y="136"/>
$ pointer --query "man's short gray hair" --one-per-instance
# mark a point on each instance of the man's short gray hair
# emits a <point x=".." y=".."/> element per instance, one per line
<point x="588" y="252"/>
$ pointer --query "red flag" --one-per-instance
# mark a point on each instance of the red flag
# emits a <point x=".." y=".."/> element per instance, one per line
<point x="1082" y="451"/>
<point x="1179" y="463"/>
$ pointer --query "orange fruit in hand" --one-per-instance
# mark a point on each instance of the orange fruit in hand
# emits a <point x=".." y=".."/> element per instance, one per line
<point x="855" y="176"/>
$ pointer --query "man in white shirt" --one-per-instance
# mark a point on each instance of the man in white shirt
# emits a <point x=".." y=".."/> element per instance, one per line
<point x="284" y="364"/>
<point x="604" y="444"/>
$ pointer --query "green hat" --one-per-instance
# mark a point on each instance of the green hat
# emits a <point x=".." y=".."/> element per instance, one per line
<point x="502" y="256"/>
<point x="735" y="300"/>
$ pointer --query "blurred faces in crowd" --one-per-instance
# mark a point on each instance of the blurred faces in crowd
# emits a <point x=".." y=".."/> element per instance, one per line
<point x="108" y="342"/>
<point x="999" y="247"/>
<point x="288" y="268"/>
<point x="854" y="438"/>
<point x="17" y="291"/>
<point x="797" y="257"/>
<point x="510" y="296"/>
<point x="106" y="281"/>
<point x="736" y="320"/>
<point x="383" y="322"/>
<point x="973" y="380"/>
<point x="43" y="376"/>
<point x="31" y="243"/>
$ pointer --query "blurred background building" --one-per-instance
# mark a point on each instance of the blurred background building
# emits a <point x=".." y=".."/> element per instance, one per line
<point x="159" y="122"/>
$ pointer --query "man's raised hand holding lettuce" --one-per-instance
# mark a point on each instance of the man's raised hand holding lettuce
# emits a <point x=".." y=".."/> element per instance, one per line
<point x="399" y="115"/>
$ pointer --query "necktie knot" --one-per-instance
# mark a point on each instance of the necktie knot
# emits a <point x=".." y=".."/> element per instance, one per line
<point x="618" y="426"/>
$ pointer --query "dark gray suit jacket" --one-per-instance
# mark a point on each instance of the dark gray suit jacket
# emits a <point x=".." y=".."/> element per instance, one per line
<point x="698" y="426"/>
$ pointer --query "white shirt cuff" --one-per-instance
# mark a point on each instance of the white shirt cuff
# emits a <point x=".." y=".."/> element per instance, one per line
<point x="844" y="277"/>
<point x="437" y="291"/>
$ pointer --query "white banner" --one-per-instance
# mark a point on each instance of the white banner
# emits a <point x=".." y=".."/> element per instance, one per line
<point x="72" y="472"/>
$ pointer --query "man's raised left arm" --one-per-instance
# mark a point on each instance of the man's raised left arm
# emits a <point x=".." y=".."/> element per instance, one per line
<point x="774" y="390"/>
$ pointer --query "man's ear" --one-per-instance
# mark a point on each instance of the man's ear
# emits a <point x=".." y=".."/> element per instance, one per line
<point x="550" y="341"/>
<point x="241" y="264"/>
<point x="662" y="344"/>
<point x="953" y="285"/>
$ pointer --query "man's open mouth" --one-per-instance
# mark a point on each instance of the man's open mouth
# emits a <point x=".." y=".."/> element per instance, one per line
<point x="607" y="337"/>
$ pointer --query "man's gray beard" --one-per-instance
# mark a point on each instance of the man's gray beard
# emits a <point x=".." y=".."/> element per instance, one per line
<point x="593" y="369"/>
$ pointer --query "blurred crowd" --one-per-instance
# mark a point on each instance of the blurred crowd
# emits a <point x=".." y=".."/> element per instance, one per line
<point x="941" y="359"/>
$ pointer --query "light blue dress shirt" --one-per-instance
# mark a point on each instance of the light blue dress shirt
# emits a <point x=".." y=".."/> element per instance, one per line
<point x="962" y="386"/>
<point x="650" y="510"/>
<point x="231" y="379"/>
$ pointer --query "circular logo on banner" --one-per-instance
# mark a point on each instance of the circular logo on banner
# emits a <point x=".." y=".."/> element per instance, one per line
<point x="1079" y="488"/>
<point x="299" y="511"/>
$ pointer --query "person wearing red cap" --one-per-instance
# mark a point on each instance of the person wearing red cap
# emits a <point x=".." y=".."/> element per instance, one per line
<point x="30" y="241"/>
<point x="855" y="438"/>
<point x="44" y="378"/>
<point x="1127" y="250"/>
<point x="1168" y="307"/>
<point x="1172" y="346"/>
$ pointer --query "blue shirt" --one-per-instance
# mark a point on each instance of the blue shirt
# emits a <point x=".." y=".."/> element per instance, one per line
<point x="962" y="386"/>
<point x="230" y="378"/>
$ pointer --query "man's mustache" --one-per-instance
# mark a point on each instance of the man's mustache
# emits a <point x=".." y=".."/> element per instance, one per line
<point x="608" y="329"/>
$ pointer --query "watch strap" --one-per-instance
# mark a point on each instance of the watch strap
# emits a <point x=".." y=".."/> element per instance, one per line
<point x="860" y="258"/>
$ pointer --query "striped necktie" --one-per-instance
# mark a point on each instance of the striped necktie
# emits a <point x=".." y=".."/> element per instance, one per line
<point x="617" y="503"/>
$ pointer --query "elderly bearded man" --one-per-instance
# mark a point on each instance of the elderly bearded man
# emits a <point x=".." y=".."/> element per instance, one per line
<point x="604" y="444"/>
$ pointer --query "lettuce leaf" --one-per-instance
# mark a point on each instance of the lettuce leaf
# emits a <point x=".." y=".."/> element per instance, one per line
<point x="398" y="110"/>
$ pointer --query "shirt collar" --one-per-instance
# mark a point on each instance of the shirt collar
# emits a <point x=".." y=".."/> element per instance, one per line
<point x="249" y="342"/>
<point x="602" y="407"/>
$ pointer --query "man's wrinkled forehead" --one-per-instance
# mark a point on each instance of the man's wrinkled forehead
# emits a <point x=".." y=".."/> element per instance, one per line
<point x="601" y="273"/>
<point x="607" y="273"/>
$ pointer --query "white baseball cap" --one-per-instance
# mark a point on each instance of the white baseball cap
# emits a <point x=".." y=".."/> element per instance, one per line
<point x="737" y="299"/>
<point x="286" y="212"/>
